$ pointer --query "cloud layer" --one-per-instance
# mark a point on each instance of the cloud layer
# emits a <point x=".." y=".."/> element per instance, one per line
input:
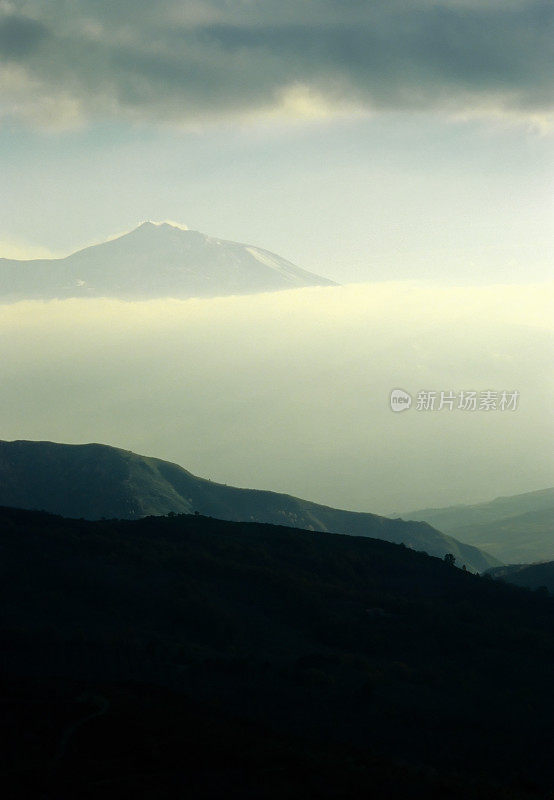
<point x="290" y="391"/>
<point x="177" y="62"/>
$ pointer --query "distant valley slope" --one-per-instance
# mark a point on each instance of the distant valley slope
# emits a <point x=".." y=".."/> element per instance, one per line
<point x="154" y="260"/>
<point x="95" y="481"/>
<point x="531" y="576"/>
<point x="514" y="529"/>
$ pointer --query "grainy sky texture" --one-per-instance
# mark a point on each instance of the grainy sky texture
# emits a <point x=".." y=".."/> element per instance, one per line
<point x="178" y="60"/>
<point x="390" y="140"/>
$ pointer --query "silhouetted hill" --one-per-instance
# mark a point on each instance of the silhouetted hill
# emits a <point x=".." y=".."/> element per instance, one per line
<point x="154" y="260"/>
<point x="187" y="656"/>
<point x="95" y="481"/>
<point x="532" y="576"/>
<point x="512" y="529"/>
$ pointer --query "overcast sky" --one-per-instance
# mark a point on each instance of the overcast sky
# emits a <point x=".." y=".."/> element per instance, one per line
<point x="364" y="140"/>
<point x="404" y="140"/>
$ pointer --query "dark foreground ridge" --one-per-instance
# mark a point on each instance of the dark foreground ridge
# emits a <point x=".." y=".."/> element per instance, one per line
<point x="95" y="481"/>
<point x="187" y="656"/>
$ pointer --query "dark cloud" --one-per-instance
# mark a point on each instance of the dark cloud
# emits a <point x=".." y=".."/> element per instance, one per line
<point x="19" y="36"/>
<point x="175" y="61"/>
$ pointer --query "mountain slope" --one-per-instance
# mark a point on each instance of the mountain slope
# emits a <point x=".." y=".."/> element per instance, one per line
<point x="516" y="539"/>
<point x="531" y="576"/>
<point x="514" y="529"/>
<point x="451" y="518"/>
<point x="154" y="260"/>
<point x="419" y="680"/>
<point x="95" y="481"/>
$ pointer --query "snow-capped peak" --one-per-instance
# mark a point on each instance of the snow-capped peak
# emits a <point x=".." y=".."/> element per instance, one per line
<point x="170" y="222"/>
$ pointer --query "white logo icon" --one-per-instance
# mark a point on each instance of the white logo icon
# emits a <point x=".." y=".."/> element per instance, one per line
<point x="400" y="400"/>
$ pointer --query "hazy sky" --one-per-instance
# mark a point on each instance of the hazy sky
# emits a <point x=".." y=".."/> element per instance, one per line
<point x="364" y="140"/>
<point x="387" y="140"/>
<point x="290" y="390"/>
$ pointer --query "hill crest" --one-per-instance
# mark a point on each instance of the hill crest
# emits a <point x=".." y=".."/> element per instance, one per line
<point x="94" y="481"/>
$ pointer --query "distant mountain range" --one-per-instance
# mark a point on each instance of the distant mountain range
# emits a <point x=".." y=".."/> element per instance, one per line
<point x="514" y="529"/>
<point x="154" y="260"/>
<point x="94" y="481"/>
<point x="531" y="576"/>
